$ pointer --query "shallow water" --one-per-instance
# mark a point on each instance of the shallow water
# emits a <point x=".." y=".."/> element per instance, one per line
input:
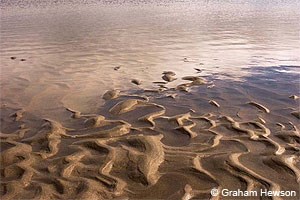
<point x="234" y="128"/>
<point x="73" y="47"/>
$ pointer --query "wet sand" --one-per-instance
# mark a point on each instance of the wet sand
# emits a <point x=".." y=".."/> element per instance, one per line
<point x="163" y="143"/>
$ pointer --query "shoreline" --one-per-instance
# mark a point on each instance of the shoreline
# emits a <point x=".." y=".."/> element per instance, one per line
<point x="128" y="99"/>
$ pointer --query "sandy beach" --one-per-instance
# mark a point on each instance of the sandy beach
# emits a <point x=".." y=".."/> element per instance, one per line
<point x="159" y="100"/>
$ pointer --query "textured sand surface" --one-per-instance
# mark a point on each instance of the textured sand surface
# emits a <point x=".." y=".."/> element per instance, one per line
<point x="143" y="144"/>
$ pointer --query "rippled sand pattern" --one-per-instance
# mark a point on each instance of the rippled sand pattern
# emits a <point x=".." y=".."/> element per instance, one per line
<point x="149" y="144"/>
